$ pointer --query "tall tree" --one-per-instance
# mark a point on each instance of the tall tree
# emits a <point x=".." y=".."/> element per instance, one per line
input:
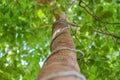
<point x="62" y="63"/>
<point x="25" y="36"/>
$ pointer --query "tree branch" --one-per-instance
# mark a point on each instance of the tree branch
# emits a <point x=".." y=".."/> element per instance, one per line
<point x="72" y="3"/>
<point x="109" y="34"/>
<point x="87" y="9"/>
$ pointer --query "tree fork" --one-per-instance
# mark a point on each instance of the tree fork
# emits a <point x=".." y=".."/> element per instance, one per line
<point x="62" y="63"/>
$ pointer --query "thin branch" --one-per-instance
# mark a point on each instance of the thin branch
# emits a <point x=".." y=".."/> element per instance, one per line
<point x="37" y="28"/>
<point x="58" y="8"/>
<point x="72" y="3"/>
<point x="116" y="44"/>
<point x="87" y="9"/>
<point x="72" y="24"/>
<point x="109" y="34"/>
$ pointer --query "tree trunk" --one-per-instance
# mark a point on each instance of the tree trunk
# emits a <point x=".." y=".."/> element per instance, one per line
<point x="62" y="63"/>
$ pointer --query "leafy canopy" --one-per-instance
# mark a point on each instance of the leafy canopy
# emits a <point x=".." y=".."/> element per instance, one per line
<point x="25" y="35"/>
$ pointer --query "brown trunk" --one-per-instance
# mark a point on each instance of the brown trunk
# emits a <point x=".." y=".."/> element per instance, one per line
<point x="62" y="64"/>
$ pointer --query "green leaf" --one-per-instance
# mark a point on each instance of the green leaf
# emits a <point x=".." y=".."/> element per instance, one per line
<point x="107" y="14"/>
<point x="22" y="18"/>
<point x="3" y="1"/>
<point x="40" y="14"/>
<point x="109" y="1"/>
<point x="99" y="10"/>
<point x="1" y="71"/>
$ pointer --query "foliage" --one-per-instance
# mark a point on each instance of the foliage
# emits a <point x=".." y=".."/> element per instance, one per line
<point x="25" y="35"/>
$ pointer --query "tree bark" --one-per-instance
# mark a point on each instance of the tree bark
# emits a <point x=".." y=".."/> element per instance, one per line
<point x="62" y="64"/>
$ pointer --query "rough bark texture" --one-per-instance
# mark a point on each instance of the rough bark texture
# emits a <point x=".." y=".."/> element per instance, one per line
<point x="63" y="60"/>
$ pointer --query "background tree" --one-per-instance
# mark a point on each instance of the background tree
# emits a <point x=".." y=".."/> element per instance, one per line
<point x="25" y="36"/>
